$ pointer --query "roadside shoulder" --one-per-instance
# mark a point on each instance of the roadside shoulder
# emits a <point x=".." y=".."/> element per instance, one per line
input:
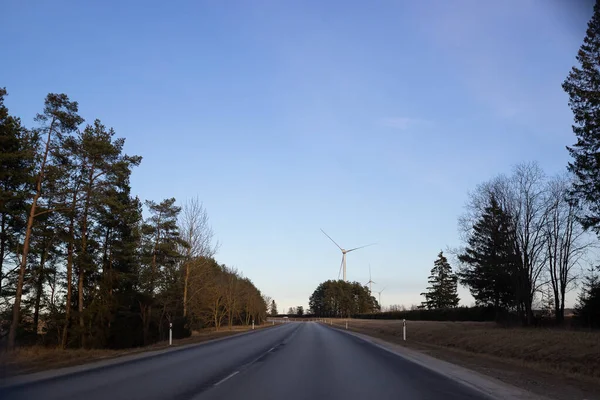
<point x="487" y="385"/>
<point x="49" y="374"/>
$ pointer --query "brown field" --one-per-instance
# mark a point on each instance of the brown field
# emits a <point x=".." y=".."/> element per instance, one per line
<point x="576" y="352"/>
<point x="551" y="358"/>
<point x="37" y="358"/>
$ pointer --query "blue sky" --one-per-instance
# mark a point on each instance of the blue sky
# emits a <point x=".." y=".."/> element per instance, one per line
<point x="369" y="120"/>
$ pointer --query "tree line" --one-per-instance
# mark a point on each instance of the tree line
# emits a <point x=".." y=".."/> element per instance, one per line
<point x="523" y="235"/>
<point x="528" y="235"/>
<point x="81" y="264"/>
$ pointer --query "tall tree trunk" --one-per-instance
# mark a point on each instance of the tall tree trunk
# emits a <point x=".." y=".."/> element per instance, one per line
<point x="110" y="287"/>
<point x="106" y="274"/>
<point x="70" y="271"/>
<point x="83" y="263"/>
<point x="185" y="286"/>
<point x="105" y="265"/>
<point x="38" y="290"/>
<point x="3" y="240"/>
<point x="528" y="309"/>
<point x="152" y="280"/>
<point x="496" y="306"/>
<point x="40" y="279"/>
<point x="144" y="317"/>
<point x="16" y="317"/>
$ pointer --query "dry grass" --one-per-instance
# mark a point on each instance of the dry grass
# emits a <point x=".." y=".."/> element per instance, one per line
<point x="573" y="352"/>
<point x="37" y="358"/>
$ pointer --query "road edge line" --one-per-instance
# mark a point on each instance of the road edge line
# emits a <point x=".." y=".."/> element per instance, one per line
<point x="74" y="370"/>
<point x="486" y="385"/>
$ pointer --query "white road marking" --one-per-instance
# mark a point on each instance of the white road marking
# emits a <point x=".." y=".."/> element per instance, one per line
<point x="227" y="377"/>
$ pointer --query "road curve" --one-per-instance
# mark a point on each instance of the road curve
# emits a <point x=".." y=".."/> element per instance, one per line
<point x="291" y="361"/>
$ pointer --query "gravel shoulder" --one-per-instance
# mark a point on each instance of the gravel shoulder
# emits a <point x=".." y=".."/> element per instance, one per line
<point x="543" y="379"/>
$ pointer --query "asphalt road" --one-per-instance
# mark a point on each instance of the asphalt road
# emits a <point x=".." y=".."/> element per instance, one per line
<point x="291" y="361"/>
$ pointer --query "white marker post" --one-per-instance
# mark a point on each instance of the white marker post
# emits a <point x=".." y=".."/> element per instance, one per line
<point x="346" y="324"/>
<point x="170" y="333"/>
<point x="404" y="329"/>
<point x="252" y="324"/>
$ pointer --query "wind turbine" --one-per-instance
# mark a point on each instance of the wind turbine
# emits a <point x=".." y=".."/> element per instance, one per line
<point x="344" y="251"/>
<point x="370" y="281"/>
<point x="380" y="296"/>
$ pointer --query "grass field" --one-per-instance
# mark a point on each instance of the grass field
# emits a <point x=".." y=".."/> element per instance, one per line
<point x="569" y="351"/>
<point x="37" y="358"/>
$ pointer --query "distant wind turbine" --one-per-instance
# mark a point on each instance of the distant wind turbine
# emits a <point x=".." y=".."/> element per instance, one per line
<point x="343" y="264"/>
<point x="370" y="281"/>
<point x="380" y="296"/>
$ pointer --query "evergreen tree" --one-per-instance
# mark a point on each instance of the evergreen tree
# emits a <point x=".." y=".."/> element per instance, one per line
<point x="78" y="260"/>
<point x="490" y="259"/>
<point x="273" y="308"/>
<point x="587" y="310"/>
<point x="58" y="119"/>
<point x="583" y="87"/>
<point x="17" y="150"/>
<point x="300" y="311"/>
<point x="443" y="285"/>
<point x="160" y="256"/>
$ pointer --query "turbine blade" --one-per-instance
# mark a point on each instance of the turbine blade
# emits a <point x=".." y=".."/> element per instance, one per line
<point x="341" y="264"/>
<point x="361" y="247"/>
<point x="331" y="239"/>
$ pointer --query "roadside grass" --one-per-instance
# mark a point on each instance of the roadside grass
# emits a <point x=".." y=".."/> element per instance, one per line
<point x="568" y="351"/>
<point x="30" y="359"/>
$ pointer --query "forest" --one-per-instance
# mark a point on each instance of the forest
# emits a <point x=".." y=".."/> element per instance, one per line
<point x="84" y="263"/>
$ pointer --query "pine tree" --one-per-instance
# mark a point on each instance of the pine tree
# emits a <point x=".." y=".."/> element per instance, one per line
<point x="490" y="259"/>
<point x="442" y="292"/>
<point x="273" y="308"/>
<point x="102" y="165"/>
<point x="160" y="255"/>
<point x="76" y="255"/>
<point x="58" y="119"/>
<point x="583" y="87"/>
<point x="17" y="150"/>
<point x="587" y="310"/>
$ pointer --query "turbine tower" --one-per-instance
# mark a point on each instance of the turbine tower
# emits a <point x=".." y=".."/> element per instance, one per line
<point x="344" y="251"/>
<point x="370" y="281"/>
<point x="380" y="297"/>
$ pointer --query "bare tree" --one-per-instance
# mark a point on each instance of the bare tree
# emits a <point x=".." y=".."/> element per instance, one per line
<point x="566" y="242"/>
<point x="196" y="231"/>
<point x="526" y="201"/>
<point x="231" y="296"/>
<point x="268" y="302"/>
<point x="523" y="196"/>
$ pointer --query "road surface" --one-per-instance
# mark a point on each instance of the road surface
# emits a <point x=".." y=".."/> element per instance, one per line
<point x="291" y="361"/>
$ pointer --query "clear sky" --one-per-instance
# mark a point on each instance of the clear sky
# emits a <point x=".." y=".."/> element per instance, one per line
<point x="371" y="120"/>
